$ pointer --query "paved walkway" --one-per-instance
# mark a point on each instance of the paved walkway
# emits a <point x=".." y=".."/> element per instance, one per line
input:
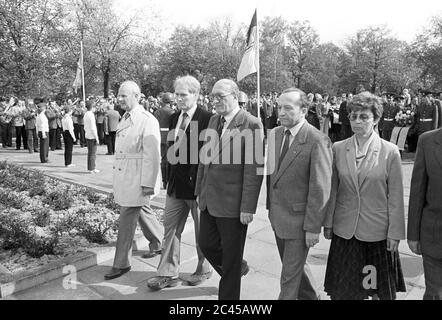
<point x="262" y="282"/>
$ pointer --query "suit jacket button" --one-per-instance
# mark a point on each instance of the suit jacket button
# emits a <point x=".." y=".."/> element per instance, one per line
<point x="119" y="169"/>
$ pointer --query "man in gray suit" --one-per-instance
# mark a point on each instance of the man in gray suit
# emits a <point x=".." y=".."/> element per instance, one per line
<point x="228" y="185"/>
<point x="425" y="211"/>
<point x="298" y="188"/>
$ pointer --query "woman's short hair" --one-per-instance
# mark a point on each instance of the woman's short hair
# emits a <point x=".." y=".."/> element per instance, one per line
<point x="366" y="101"/>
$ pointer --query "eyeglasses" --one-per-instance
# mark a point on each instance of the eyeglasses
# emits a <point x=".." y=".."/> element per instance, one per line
<point x="219" y="97"/>
<point x="354" y="116"/>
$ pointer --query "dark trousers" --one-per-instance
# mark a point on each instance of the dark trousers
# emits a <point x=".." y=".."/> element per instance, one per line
<point x="52" y="143"/>
<point x="6" y="129"/>
<point x="82" y="135"/>
<point x="164" y="165"/>
<point x="111" y="141"/>
<point x="58" y="135"/>
<point x="77" y="132"/>
<point x="222" y="242"/>
<point x="91" y="153"/>
<point x="100" y="132"/>
<point x="32" y="140"/>
<point x="20" y="134"/>
<point x="433" y="278"/>
<point x="68" y="146"/>
<point x="44" y="147"/>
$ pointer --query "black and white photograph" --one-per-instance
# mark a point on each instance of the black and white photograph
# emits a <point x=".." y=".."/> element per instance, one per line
<point x="255" y="151"/>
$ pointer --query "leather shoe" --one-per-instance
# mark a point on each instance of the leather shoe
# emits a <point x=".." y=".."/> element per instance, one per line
<point x="151" y="254"/>
<point x="115" y="273"/>
<point x="161" y="282"/>
<point x="244" y="268"/>
<point x="196" y="279"/>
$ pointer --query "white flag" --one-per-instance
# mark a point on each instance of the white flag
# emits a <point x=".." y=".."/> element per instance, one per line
<point x="250" y="59"/>
<point x="78" y="78"/>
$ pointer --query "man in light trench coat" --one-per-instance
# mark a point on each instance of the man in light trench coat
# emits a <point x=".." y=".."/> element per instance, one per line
<point x="136" y="173"/>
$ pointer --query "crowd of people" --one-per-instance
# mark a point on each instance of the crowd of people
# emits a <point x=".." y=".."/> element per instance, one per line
<point x="332" y="166"/>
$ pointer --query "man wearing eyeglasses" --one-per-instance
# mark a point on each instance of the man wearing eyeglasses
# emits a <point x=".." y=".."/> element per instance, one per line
<point x="228" y="186"/>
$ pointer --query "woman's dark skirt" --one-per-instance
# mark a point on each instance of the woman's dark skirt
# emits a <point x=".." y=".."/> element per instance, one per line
<point x="358" y="269"/>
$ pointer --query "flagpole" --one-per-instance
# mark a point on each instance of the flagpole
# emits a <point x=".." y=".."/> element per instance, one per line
<point x="258" y="87"/>
<point x="82" y="72"/>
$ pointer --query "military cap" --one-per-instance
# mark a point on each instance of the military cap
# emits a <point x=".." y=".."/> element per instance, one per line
<point x="243" y="97"/>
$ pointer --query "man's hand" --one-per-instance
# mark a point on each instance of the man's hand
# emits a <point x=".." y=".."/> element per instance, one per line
<point x="392" y="245"/>
<point x="328" y="233"/>
<point x="246" y="218"/>
<point x="147" y="191"/>
<point x="415" y="247"/>
<point x="311" y="239"/>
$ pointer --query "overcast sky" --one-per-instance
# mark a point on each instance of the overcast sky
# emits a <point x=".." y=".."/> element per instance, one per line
<point x="335" y="20"/>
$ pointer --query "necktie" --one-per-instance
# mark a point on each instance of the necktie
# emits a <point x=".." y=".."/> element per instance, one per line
<point x="285" y="147"/>
<point x="182" y="126"/>
<point x="126" y="115"/>
<point x="220" y="128"/>
<point x="184" y="122"/>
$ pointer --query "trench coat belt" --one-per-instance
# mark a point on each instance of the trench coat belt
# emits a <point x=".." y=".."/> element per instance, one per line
<point x="128" y="156"/>
<point x="164" y="129"/>
<point x="388" y="119"/>
<point x="425" y="120"/>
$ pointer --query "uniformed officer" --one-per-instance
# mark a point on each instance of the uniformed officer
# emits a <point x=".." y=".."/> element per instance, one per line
<point x="390" y="111"/>
<point x="427" y="114"/>
<point x="163" y="115"/>
<point x="243" y="100"/>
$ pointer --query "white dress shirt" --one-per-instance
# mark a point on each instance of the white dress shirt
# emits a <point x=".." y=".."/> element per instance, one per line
<point x="294" y="131"/>
<point x="90" y="127"/>
<point x="68" y="125"/>
<point x="42" y="124"/>
<point x="190" y="114"/>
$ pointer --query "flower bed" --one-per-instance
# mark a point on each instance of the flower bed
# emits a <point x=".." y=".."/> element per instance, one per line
<point x="43" y="219"/>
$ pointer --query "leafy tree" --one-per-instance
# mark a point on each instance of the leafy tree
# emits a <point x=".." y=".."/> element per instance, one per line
<point x="302" y="39"/>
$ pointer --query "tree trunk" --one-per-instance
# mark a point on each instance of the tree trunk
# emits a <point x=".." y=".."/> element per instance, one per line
<point x="106" y="79"/>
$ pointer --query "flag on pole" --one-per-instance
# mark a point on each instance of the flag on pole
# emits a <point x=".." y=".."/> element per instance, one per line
<point x="78" y="78"/>
<point x="249" y="62"/>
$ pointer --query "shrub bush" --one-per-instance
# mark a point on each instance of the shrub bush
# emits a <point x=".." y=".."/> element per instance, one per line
<point x="38" y="212"/>
<point x="59" y="199"/>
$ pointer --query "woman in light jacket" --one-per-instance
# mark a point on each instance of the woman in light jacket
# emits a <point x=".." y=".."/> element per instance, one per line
<point x="365" y="219"/>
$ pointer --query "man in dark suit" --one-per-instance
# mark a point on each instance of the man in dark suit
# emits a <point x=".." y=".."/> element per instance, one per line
<point x="299" y="185"/>
<point x="425" y="211"/>
<point x="346" y="131"/>
<point x="163" y="115"/>
<point x="228" y="184"/>
<point x="185" y="128"/>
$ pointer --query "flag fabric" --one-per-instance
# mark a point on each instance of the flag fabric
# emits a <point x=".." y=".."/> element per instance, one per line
<point x="249" y="62"/>
<point x="78" y="78"/>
